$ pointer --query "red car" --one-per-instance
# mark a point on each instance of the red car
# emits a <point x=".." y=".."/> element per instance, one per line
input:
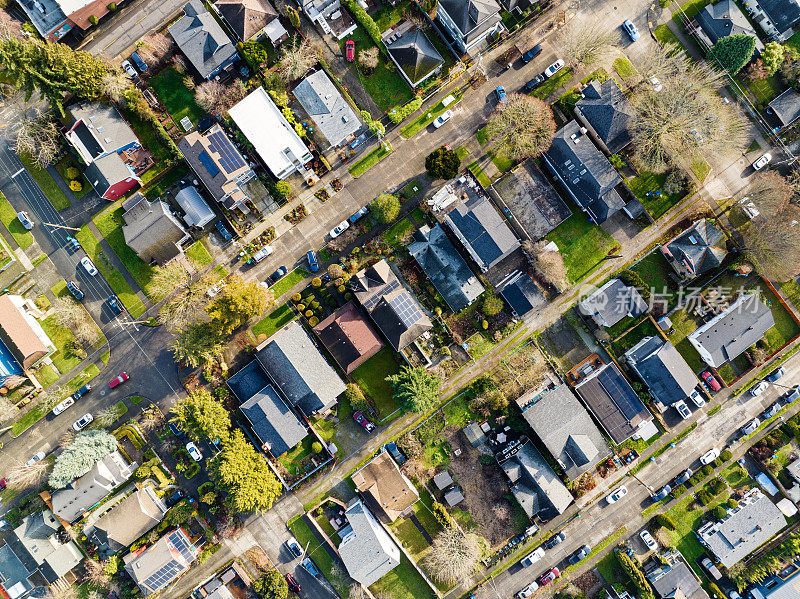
<point x="123" y="376"/>
<point x="294" y="587"/>
<point x="549" y="576"/>
<point x="364" y="421"/>
<point x="349" y="50"/>
<point x="710" y="380"/>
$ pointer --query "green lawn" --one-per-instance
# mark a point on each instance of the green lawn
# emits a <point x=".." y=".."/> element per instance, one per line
<point x="426" y="118"/>
<point x="404" y="582"/>
<point x="583" y="244"/>
<point x="371" y="159"/>
<point x="462" y="152"/>
<point x="664" y="35"/>
<point x="179" y="101"/>
<point x="48" y="185"/>
<point x="316" y="551"/>
<point x="274" y="321"/>
<point x="47" y="376"/>
<point x="399" y="233"/>
<point x="479" y="345"/>
<point x="371" y="377"/>
<point x="198" y="253"/>
<point x="792" y="292"/>
<point x="292" y="458"/>
<point x="654" y="270"/>
<point x="61" y="337"/>
<point x="765" y="90"/>
<point x="683" y="325"/>
<point x="655" y="204"/>
<point x="289" y="281"/>
<point x="9" y="217"/>
<point x="624" y="67"/>
<point x="552" y="84"/>
<point x="476" y="170"/>
<point x="501" y="161"/>
<point x="157" y="188"/>
<point x="645" y="328"/>
<point x="691" y="8"/>
<point x="701" y="168"/>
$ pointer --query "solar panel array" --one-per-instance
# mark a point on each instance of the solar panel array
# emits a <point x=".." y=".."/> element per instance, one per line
<point x="371" y="302"/>
<point x="406" y="309"/>
<point x="164" y="575"/>
<point x="230" y="159"/>
<point x="180" y="543"/>
<point x="208" y="162"/>
<point x="625" y="398"/>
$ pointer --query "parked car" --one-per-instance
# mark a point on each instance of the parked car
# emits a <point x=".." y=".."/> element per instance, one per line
<point x="175" y="430"/>
<point x="792" y="394"/>
<point x="128" y="68"/>
<point x="137" y="60"/>
<point x="771" y="411"/>
<point x="365" y="422"/>
<point x="361" y="213"/>
<point x="531" y="54"/>
<point x="442" y="118"/>
<point x="710" y="380"/>
<point x="617" y="494"/>
<point x="194" y="452"/>
<point x="37" y="457"/>
<point x="293" y="585"/>
<point x="311" y="256"/>
<point x="657" y="87"/>
<point x="222" y="230"/>
<point x="339" y="229"/>
<point x="349" y="50"/>
<point x="709" y="456"/>
<point x="549" y="576"/>
<point x="665" y="490"/>
<point x="751" y="426"/>
<point x="114" y="305"/>
<point x="25" y="219"/>
<point x="527" y="591"/>
<point x="554" y="540"/>
<point x="553" y="68"/>
<point x="580" y="555"/>
<point x="630" y="29"/>
<point x="533" y="557"/>
<point x="734" y="595"/>
<point x="697" y="399"/>
<point x="73" y="288"/>
<point x="123" y="376"/>
<point x="261" y="254"/>
<point x="310" y="566"/>
<point x="279" y="273"/>
<point x="73" y="243"/>
<point x="683" y="409"/>
<point x="175" y="498"/>
<point x="82" y="422"/>
<point x="500" y="92"/>
<point x="712" y="570"/>
<point x="757" y="390"/>
<point x="63" y="406"/>
<point x="294" y="547"/>
<point x="88" y="266"/>
<point x="683" y="477"/>
<point x="775" y="374"/>
<point x="648" y="540"/>
<point x="762" y="162"/>
<point x="81" y="392"/>
<point x="534" y="83"/>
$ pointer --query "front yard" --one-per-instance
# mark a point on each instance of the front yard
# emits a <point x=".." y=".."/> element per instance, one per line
<point x="371" y="377"/>
<point x="275" y="320"/>
<point x="9" y="218"/>
<point x="582" y="243"/>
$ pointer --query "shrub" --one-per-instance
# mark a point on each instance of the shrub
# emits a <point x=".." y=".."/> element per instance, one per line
<point x="616" y="161"/>
<point x="301" y="307"/>
<point x="718" y="486"/>
<point x="675" y="182"/>
<point x="283" y="189"/>
<point x="442" y="515"/>
<point x="707" y="470"/>
<point x="366" y="21"/>
<point x="665" y="521"/>
<point x="492" y="305"/>
<point x="720" y="512"/>
<point x="316" y="447"/>
<point x="313" y="321"/>
<point x="72" y="172"/>
<point x="678" y="491"/>
<point x="309" y="313"/>
<point x="75" y="185"/>
<point x="316" y="281"/>
<point x="112" y="7"/>
<point x="357" y="399"/>
<point x="442" y="163"/>
<point x="484" y="324"/>
<point x="385" y="208"/>
<point x="93" y="20"/>
<point x="704" y="497"/>
<point x="635" y="574"/>
<point x="725" y="455"/>
<point x="400" y="113"/>
<point x="254" y="53"/>
<point x="732" y="503"/>
<point x="716" y="593"/>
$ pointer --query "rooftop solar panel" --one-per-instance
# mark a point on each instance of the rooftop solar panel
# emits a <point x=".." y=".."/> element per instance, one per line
<point x="372" y="302"/>
<point x="208" y="162"/>
<point x="406" y="309"/>
<point x="180" y="543"/>
<point x="621" y="393"/>
<point x="230" y="158"/>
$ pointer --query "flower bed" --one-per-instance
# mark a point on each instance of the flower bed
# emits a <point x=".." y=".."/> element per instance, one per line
<point x="322" y="195"/>
<point x="337" y="185"/>
<point x="296" y="215"/>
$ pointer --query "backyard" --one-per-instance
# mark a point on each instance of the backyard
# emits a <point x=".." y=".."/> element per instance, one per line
<point x="582" y="243"/>
<point x="648" y="187"/>
<point x="655" y="271"/>
<point x="683" y="324"/>
<point x="176" y="98"/>
<point x="371" y="377"/>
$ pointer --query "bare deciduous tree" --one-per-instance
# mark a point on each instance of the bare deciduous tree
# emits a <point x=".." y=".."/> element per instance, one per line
<point x="95" y="573"/>
<point x="38" y="136"/>
<point x="23" y="477"/>
<point x="153" y="48"/>
<point x="185" y="305"/>
<point x="770" y="193"/>
<point x="168" y="279"/>
<point x="358" y="592"/>
<point x="14" y="381"/>
<point x="108" y="416"/>
<point x="523" y="127"/>
<point x="368" y="58"/>
<point x="454" y="555"/>
<point x="75" y="317"/>
<point x="548" y="264"/>
<point x="9" y="26"/>
<point x="67" y="438"/>
<point x="297" y="58"/>
<point x="584" y="43"/>
<point x="115" y="84"/>
<point x="53" y="395"/>
<point x="216" y="98"/>
<point x="772" y="245"/>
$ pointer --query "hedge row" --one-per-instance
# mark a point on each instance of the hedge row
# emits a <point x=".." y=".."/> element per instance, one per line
<point x="400" y="113"/>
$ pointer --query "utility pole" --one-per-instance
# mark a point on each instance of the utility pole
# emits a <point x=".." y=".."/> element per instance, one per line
<point x="61" y="226"/>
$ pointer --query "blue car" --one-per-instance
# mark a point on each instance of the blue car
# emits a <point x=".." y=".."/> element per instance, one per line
<point x="223" y="231"/>
<point x="630" y="29"/>
<point x="75" y="290"/>
<point x="358" y="215"/>
<point x="501" y="94"/>
<point x="137" y="60"/>
<point x="73" y="243"/>
<point x="312" y="261"/>
<point x="775" y="374"/>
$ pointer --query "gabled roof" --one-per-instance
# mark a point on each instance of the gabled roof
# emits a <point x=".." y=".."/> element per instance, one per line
<point x="565" y="428"/>
<point x="445" y="267"/>
<point x="367" y="550"/>
<point x="697" y="250"/>
<point x="521" y="294"/>
<point x="202" y="39"/>
<point x="274" y="423"/>
<point x="723" y="19"/>
<point x="161" y="563"/>
<point x="472" y="17"/>
<point x="415" y="55"/>
<point x="787" y="106"/>
<point x="784" y="14"/>
<point x="663" y="370"/>
<point x="215" y="159"/>
<point x="585" y="172"/>
<point x="98" y="129"/>
<point x="86" y="491"/>
<point x="106" y="171"/>
<point x="349" y="337"/>
<point x="388" y="490"/>
<point x="609" y="113"/>
<point x="612" y="302"/>
<point x="299" y="370"/>
<point x="321" y="99"/>
<point x="18" y="334"/>
<point x="129" y="519"/>
<point x="246" y="17"/>
<point x="536" y="486"/>
<point x="676" y="578"/>
<point x="482" y="231"/>
<point x="151" y="230"/>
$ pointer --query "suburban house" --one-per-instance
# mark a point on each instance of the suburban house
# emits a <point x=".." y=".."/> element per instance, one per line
<point x="444" y="266"/>
<point x="273" y="422"/>
<point x="221" y="167"/>
<point x="722" y="19"/>
<point x="584" y="172"/>
<point x="482" y="232"/>
<point x="535" y="204"/>
<point x="777" y="18"/>
<point x="252" y="19"/>
<point x="606" y="113"/>
<point x="786" y="107"/>
<point x="333" y="115"/>
<point x="299" y="371"/>
<point x="274" y="139"/>
<point x="196" y="212"/>
<point x="416" y="58"/>
<point x="37" y="553"/>
<point x="112" y="153"/>
<point x="697" y="250"/>
<point x="24" y="342"/>
<point x="384" y="488"/>
<point x="367" y="550"/>
<point x="520" y="293"/>
<point x="666" y="374"/>
<point x="469" y="22"/>
<point x="676" y="579"/>
<point x="731" y="332"/>
<point x="612" y="302"/>
<point x="349" y="337"/>
<point x="535" y="485"/>
<point x="615" y="405"/>
<point x="393" y="308"/>
<point x="330" y="17"/>
<point x="154" y="568"/>
<point x="565" y="428"/>
<point x="744" y="530"/>
<point x="128" y="520"/>
<point x="203" y="41"/>
<point x="86" y="491"/>
<point x="53" y="19"/>
<point x="151" y="230"/>
<point x="782" y="585"/>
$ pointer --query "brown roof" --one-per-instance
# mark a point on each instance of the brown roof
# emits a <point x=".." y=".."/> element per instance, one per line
<point x="349" y="337"/>
<point x="382" y="482"/>
<point x="246" y="17"/>
<point x="18" y="335"/>
<point x="130" y="519"/>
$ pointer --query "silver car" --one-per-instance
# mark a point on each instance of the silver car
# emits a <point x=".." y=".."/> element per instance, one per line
<point x="339" y="229"/>
<point x="25" y="219"/>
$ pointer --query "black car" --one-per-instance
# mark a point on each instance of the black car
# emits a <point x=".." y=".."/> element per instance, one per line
<point x="276" y="276"/>
<point x="534" y="83"/>
<point x="75" y="290"/>
<point x="81" y="392"/>
<point x="175" y="498"/>
<point x="531" y="54"/>
<point x="580" y="555"/>
<point x="113" y="304"/>
<point x="176" y="431"/>
<point x="556" y="539"/>
<point x="223" y="231"/>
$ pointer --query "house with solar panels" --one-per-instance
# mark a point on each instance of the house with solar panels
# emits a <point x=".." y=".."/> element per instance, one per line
<point x="154" y="568"/>
<point x="416" y="58"/>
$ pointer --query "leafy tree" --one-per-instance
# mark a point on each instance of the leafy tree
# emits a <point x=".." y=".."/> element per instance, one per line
<point x="415" y="389"/>
<point x="492" y="305"/>
<point x="255" y="54"/>
<point x="180" y="513"/>
<point x="283" y="189"/>
<point x="634" y="572"/>
<point x="523" y="127"/>
<point x="245" y="475"/>
<point x="756" y="71"/>
<point x="375" y="127"/>
<point x="734" y="51"/>
<point x="294" y="16"/>
<point x="271" y="586"/>
<point x="80" y="456"/>
<point x="202" y="416"/>
<point x="239" y="302"/>
<point x="385" y="208"/>
<point x="316" y="447"/>
<point x="772" y="56"/>
<point x="442" y="163"/>
<point x="355" y="396"/>
<point x="197" y="344"/>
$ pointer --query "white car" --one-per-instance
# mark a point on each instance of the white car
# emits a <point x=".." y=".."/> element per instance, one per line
<point x="194" y="452"/>
<point x="683" y="409"/>
<point x="751" y="426"/>
<point x="339" y="229"/>
<point x="617" y="494"/>
<point x="215" y="289"/>
<point x="697" y="399"/>
<point x="25" y="219"/>
<point x="533" y="557"/>
<point x="762" y="162"/>
<point x="648" y="540"/>
<point x="554" y="68"/>
<point x="657" y="87"/>
<point x="709" y="456"/>
<point x="63" y="406"/>
<point x="82" y="422"/>
<point x="759" y="389"/>
<point x="89" y="266"/>
<point x="443" y="118"/>
<point x="37" y="457"/>
<point x="128" y="68"/>
<point x="527" y="591"/>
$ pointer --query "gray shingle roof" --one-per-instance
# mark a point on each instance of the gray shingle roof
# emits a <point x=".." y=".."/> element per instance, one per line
<point x="320" y="98"/>
<point x="104" y="128"/>
<point x="83" y="493"/>
<point x="585" y="172"/>
<point x="521" y="294"/>
<point x="445" y="267"/>
<point x="106" y="171"/>
<point x="666" y="580"/>
<point x="201" y="38"/>
<point x="612" y="302"/>
<point x="129" y="519"/>
<point x="609" y="113"/>
<point x="536" y="486"/>
<point x="472" y="17"/>
<point x="299" y="370"/>
<point x="725" y="18"/>
<point x="273" y="421"/>
<point x="151" y="230"/>
<point x="787" y="106"/>
<point x="367" y="550"/>
<point x="162" y="562"/>
<point x="566" y="429"/>
<point x="784" y="14"/>
<point x="697" y="250"/>
<point x="415" y="55"/>
<point x="663" y="370"/>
